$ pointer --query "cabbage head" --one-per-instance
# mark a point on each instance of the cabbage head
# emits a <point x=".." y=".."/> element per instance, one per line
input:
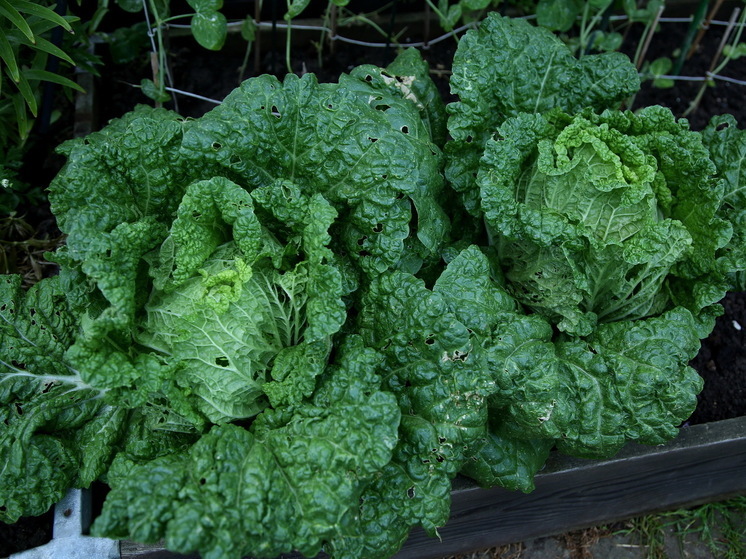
<point x="606" y="218"/>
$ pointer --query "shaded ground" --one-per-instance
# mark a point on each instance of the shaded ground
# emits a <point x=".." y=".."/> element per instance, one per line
<point x="678" y="535"/>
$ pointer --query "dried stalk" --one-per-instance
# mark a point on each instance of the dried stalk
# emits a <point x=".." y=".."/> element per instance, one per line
<point x="649" y="32"/>
<point x="704" y="28"/>
<point x="724" y="41"/>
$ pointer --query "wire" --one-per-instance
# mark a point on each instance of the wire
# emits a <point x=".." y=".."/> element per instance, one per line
<point x="426" y="44"/>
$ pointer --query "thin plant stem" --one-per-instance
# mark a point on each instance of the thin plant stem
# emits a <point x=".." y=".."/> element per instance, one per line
<point x="257" y="37"/>
<point x="736" y="39"/>
<point x="714" y="67"/>
<point x="697" y="18"/>
<point x="602" y="26"/>
<point x="244" y="62"/>
<point x="583" y="29"/>
<point x="177" y="17"/>
<point x="642" y="49"/>
<point x="703" y="28"/>
<point x="333" y="30"/>
<point x="442" y="18"/>
<point x="324" y="36"/>
<point x="427" y="27"/>
<point x="158" y="50"/>
<point x="288" y="39"/>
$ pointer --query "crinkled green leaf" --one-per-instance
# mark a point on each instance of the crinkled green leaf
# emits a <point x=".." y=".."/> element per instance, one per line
<point x="505" y="461"/>
<point x="365" y="150"/>
<point x="293" y="482"/>
<point x="628" y="381"/>
<point x="409" y="76"/>
<point x="727" y="146"/>
<point x="239" y="322"/>
<point x="115" y="199"/>
<point x="56" y="431"/>
<point x="601" y="218"/>
<point x="441" y="383"/>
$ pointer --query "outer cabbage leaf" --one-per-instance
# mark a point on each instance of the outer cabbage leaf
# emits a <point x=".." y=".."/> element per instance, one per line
<point x="506" y="461"/>
<point x="602" y="218"/>
<point x="409" y="77"/>
<point x="56" y="431"/>
<point x="506" y="67"/>
<point x="366" y="150"/>
<point x="630" y="380"/>
<point x="114" y="199"/>
<point x="290" y="483"/>
<point x="436" y="344"/>
<point x="727" y="146"/>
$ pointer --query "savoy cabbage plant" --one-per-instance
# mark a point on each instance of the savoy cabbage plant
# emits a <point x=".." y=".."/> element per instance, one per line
<point x="290" y="323"/>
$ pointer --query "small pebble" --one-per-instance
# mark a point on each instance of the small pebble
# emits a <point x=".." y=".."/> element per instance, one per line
<point x="736" y="325"/>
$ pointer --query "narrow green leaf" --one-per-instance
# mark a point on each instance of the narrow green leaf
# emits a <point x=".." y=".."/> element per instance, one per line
<point x="42" y="12"/>
<point x="47" y="76"/>
<point x="7" y="10"/>
<point x="41" y="26"/>
<point x="22" y="121"/>
<point x="28" y="94"/>
<point x="7" y="55"/>
<point x="45" y="46"/>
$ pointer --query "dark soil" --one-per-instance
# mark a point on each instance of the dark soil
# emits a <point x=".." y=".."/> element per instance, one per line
<point x="722" y="363"/>
<point x="25" y="534"/>
<point x="722" y="359"/>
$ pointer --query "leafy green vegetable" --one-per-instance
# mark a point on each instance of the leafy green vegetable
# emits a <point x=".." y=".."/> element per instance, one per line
<point x="727" y="146"/>
<point x="604" y="218"/>
<point x="437" y="344"/>
<point x="365" y="149"/>
<point x="275" y="327"/>
<point x="292" y="481"/>
<point x="506" y="67"/>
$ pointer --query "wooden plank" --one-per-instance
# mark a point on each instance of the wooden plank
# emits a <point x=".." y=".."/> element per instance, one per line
<point x="704" y="463"/>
